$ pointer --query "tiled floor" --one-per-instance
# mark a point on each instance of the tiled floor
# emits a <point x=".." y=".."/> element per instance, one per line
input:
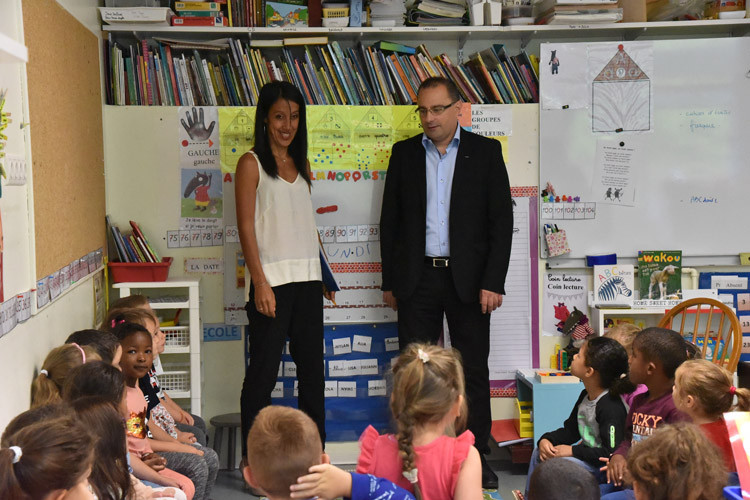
<point x="512" y="477"/>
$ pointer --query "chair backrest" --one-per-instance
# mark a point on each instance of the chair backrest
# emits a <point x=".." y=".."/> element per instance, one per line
<point x="712" y="324"/>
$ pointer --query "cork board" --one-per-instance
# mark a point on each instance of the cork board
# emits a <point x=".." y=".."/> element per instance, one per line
<point x="65" y="113"/>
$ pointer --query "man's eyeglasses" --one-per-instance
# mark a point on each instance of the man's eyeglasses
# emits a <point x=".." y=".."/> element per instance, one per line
<point x="435" y="110"/>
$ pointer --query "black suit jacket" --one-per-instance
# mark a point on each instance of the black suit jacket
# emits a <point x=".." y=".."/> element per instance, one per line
<point x="481" y="218"/>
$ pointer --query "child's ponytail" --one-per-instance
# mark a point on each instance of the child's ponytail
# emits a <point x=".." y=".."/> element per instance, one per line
<point x="743" y="398"/>
<point x="610" y="360"/>
<point x="8" y="482"/>
<point x="47" y="386"/>
<point x="405" y="439"/>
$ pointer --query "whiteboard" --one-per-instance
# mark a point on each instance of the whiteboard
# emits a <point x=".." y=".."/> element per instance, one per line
<point x="693" y="168"/>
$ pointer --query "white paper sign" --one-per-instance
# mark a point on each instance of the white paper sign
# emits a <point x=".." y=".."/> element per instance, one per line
<point x="205" y="266"/>
<point x="278" y="390"/>
<point x="347" y="389"/>
<point x="361" y="343"/>
<point x="331" y="389"/>
<point x="290" y="369"/>
<point x="491" y="120"/>
<point x="615" y="170"/>
<point x="376" y="388"/>
<point x="352" y="368"/>
<point x="368" y="367"/>
<point x="337" y="369"/>
<point x="729" y="282"/>
<point x="391" y="344"/>
<point x="342" y="345"/>
<point x="296" y="388"/>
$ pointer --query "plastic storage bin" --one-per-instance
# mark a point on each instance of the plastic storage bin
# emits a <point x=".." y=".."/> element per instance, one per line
<point x="123" y="272"/>
<point x="176" y="377"/>
<point x="524" y="422"/>
<point x="176" y="336"/>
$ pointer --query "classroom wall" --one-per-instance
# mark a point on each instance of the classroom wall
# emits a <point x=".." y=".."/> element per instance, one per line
<point x="25" y="347"/>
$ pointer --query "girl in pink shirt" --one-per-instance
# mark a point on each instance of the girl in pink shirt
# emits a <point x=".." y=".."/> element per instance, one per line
<point x="428" y="403"/>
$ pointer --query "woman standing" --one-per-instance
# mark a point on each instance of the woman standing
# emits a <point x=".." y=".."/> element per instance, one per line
<point x="280" y="244"/>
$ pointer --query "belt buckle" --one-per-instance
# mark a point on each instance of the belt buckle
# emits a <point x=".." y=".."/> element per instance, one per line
<point x="439" y="262"/>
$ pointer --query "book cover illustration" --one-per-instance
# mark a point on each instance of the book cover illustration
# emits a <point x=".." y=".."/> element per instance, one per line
<point x="287" y="13"/>
<point x="614" y="285"/>
<point x="660" y="274"/>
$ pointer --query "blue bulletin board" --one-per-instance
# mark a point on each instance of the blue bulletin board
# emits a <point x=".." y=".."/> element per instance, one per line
<point x="741" y="304"/>
<point x="357" y="360"/>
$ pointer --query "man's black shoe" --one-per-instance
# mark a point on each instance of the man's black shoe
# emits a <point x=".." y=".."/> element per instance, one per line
<point x="489" y="478"/>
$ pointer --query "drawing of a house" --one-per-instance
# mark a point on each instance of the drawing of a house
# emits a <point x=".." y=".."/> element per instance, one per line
<point x="621" y="96"/>
<point x="236" y="139"/>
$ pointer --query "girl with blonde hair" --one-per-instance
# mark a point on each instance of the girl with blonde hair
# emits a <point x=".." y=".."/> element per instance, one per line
<point x="427" y="403"/>
<point x="705" y="391"/>
<point x="47" y="386"/>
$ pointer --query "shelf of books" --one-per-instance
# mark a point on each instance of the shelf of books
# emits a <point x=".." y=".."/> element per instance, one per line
<point x="178" y="66"/>
<point x="231" y="71"/>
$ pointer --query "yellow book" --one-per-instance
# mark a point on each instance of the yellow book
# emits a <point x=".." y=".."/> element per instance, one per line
<point x="217" y="89"/>
<point x="329" y="63"/>
<point x="307" y="40"/>
<point x="196" y="6"/>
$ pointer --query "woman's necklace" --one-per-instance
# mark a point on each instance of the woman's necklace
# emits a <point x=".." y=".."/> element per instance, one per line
<point x="283" y="160"/>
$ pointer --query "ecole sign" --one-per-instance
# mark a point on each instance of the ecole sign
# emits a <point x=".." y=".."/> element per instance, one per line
<point x="217" y="332"/>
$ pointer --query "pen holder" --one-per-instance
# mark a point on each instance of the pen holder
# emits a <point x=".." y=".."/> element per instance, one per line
<point x="557" y="243"/>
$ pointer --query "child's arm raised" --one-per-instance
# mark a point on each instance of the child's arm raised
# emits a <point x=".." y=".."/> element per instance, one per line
<point x="469" y="483"/>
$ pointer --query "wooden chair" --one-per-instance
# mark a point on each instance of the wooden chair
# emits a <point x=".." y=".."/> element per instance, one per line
<point x="707" y="313"/>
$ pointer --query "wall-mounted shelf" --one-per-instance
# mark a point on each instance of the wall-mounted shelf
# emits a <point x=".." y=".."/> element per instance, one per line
<point x="11" y="51"/>
<point x="730" y="27"/>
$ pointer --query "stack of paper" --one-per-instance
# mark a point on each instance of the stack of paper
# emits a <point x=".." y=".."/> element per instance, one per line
<point x="387" y="12"/>
<point x="438" y="13"/>
<point x="577" y="11"/>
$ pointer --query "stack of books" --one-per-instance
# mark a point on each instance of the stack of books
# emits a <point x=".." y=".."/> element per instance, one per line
<point x="577" y="12"/>
<point x="438" y="13"/>
<point x="198" y="14"/>
<point x="230" y="72"/>
<point x="387" y="12"/>
<point x="131" y="246"/>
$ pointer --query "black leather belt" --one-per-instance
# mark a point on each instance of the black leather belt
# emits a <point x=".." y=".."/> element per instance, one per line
<point x="437" y="261"/>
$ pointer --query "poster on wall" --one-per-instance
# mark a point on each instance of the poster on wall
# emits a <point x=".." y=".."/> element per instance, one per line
<point x="563" y="294"/>
<point x="201" y="199"/>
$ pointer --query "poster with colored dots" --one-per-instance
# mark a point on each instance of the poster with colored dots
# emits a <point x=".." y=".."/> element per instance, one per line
<point x="372" y="136"/>
<point x="406" y="123"/>
<point x="236" y="129"/>
<point x="329" y="137"/>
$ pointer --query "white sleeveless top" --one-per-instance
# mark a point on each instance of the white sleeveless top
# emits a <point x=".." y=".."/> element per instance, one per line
<point x="285" y="231"/>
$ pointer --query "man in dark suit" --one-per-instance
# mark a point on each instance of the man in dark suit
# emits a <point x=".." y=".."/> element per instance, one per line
<point x="446" y="227"/>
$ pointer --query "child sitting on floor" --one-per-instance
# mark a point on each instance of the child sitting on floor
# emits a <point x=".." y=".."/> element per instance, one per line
<point x="47" y="386"/>
<point x="625" y="334"/>
<point x="657" y="352"/>
<point x="427" y="402"/>
<point x="47" y="458"/>
<point x="597" y="422"/>
<point x="676" y="463"/>
<point x="704" y="391"/>
<point x="560" y="479"/>
<point x="284" y="443"/>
